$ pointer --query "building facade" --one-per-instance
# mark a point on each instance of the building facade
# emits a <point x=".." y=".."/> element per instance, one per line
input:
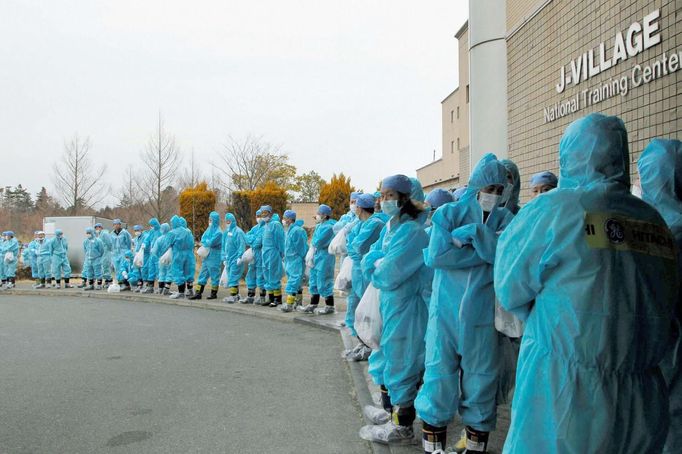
<point x="567" y="58"/>
<point x="452" y="169"/>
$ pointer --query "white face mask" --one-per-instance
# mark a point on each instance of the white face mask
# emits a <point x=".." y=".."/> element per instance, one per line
<point x="488" y="201"/>
<point x="138" y="233"/>
<point x="259" y="220"/>
<point x="390" y="207"/>
<point x="636" y="190"/>
<point x="318" y="218"/>
<point x="353" y="208"/>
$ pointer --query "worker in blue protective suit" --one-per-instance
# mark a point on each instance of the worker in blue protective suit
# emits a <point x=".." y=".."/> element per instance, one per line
<point x="93" y="248"/>
<point x="160" y="247"/>
<point x="295" y="250"/>
<point x="660" y="172"/>
<point x="192" y="261"/>
<point x="254" y="273"/>
<point x="321" y="282"/>
<point x="44" y="260"/>
<point x="212" y="239"/>
<point x="121" y="243"/>
<point x="273" y="253"/>
<point x="398" y="271"/>
<point x="365" y="233"/>
<point x="348" y="220"/>
<point x="513" y="187"/>
<point x="436" y="199"/>
<point x="126" y="266"/>
<point x="9" y="255"/>
<point x="182" y="247"/>
<point x="105" y="237"/>
<point x="542" y="182"/>
<point x="32" y="255"/>
<point x="462" y="357"/>
<point x="150" y="263"/>
<point x="136" y="277"/>
<point x="3" y="241"/>
<point x="597" y="297"/>
<point x="234" y="245"/>
<point x="59" y="248"/>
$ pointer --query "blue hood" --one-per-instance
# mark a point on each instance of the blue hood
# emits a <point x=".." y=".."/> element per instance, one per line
<point x="155" y="223"/>
<point x="165" y="228"/>
<point x="488" y="171"/>
<point x="594" y="150"/>
<point x="175" y="222"/>
<point x="660" y="173"/>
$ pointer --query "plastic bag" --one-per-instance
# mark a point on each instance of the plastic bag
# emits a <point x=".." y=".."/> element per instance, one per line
<point x="9" y="257"/>
<point x="338" y="244"/>
<point x="368" y="322"/>
<point x="138" y="260"/>
<point x="114" y="288"/>
<point x="507" y="323"/>
<point x="247" y="256"/>
<point x="310" y="258"/>
<point x="203" y="251"/>
<point x="343" y="280"/>
<point x="223" y="278"/>
<point x="166" y="258"/>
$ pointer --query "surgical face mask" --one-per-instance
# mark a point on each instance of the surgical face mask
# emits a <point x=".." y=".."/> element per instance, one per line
<point x="488" y="201"/>
<point x="259" y="220"/>
<point x="266" y="218"/>
<point x="90" y="235"/>
<point x="390" y="207"/>
<point x="138" y="233"/>
<point x="636" y="190"/>
<point x="353" y="208"/>
<point x="41" y="239"/>
<point x="228" y="224"/>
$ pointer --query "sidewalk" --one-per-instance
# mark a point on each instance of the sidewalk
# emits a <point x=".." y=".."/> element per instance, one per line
<point x="365" y="389"/>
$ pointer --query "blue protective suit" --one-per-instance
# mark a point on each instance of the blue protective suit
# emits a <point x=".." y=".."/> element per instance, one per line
<point x="254" y="275"/>
<point x="107" y="243"/>
<point x="160" y="246"/>
<point x="212" y="239"/>
<point x="121" y="243"/>
<point x="150" y="267"/>
<point x="512" y="203"/>
<point x="462" y="358"/>
<point x="660" y="171"/>
<point x="597" y="300"/>
<point x="400" y="276"/>
<point x="182" y="245"/>
<point x="295" y="250"/>
<point x="32" y="254"/>
<point x="322" y="273"/>
<point x="362" y="237"/>
<point x="94" y="254"/>
<point x="273" y="252"/>
<point x="59" y="248"/>
<point x="234" y="245"/>
<point x="345" y="220"/>
<point x="11" y="245"/>
<point x="44" y="259"/>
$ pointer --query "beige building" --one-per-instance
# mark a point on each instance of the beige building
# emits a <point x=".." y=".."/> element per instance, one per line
<point x="452" y="169"/>
<point x="567" y="58"/>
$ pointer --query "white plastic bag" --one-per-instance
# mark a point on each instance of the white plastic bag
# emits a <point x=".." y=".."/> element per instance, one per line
<point x="506" y="322"/>
<point x="114" y="288"/>
<point x="9" y="257"/>
<point x="368" y="322"/>
<point x="338" y="244"/>
<point x="223" y="278"/>
<point x="138" y="260"/>
<point x="310" y="258"/>
<point x="166" y="258"/>
<point x="203" y="251"/>
<point x="343" y="280"/>
<point x="247" y="256"/>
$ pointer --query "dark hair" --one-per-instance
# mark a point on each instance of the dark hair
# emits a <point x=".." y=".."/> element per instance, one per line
<point x="408" y="207"/>
<point x="369" y="210"/>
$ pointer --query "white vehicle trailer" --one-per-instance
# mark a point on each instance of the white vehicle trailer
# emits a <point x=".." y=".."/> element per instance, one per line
<point x="74" y="232"/>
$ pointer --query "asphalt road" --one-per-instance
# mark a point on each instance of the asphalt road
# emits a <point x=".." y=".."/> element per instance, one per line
<point x="84" y="375"/>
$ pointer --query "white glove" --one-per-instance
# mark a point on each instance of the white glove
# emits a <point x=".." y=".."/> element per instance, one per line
<point x="125" y="275"/>
<point x="457" y="243"/>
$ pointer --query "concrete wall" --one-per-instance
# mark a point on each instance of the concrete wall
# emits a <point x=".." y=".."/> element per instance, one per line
<point x="307" y="212"/>
<point x="564" y="30"/>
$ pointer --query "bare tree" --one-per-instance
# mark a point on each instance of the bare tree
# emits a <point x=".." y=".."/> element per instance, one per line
<point x="161" y="160"/>
<point x="250" y="163"/>
<point x="127" y="197"/>
<point x="77" y="181"/>
<point x="192" y="176"/>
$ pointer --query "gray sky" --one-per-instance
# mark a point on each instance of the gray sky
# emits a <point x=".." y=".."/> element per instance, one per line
<point x="352" y="86"/>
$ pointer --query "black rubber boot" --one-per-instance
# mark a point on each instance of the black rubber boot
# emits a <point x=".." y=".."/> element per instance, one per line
<point x="197" y="295"/>
<point x="214" y="294"/>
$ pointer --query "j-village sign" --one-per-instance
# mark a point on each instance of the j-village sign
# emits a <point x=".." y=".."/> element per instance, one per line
<point x="638" y="37"/>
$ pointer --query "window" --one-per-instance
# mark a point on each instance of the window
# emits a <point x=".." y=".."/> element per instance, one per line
<point x="452" y="147"/>
<point x="457" y="143"/>
<point x="458" y="112"/>
<point x="452" y="116"/>
<point x="467" y="94"/>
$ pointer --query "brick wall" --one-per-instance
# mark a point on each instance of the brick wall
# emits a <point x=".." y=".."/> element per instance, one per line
<point x="562" y="31"/>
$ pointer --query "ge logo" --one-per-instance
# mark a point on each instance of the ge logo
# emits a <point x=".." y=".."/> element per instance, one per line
<point x="615" y="231"/>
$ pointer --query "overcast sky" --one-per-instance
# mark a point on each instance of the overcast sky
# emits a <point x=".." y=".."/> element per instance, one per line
<point x="344" y="86"/>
